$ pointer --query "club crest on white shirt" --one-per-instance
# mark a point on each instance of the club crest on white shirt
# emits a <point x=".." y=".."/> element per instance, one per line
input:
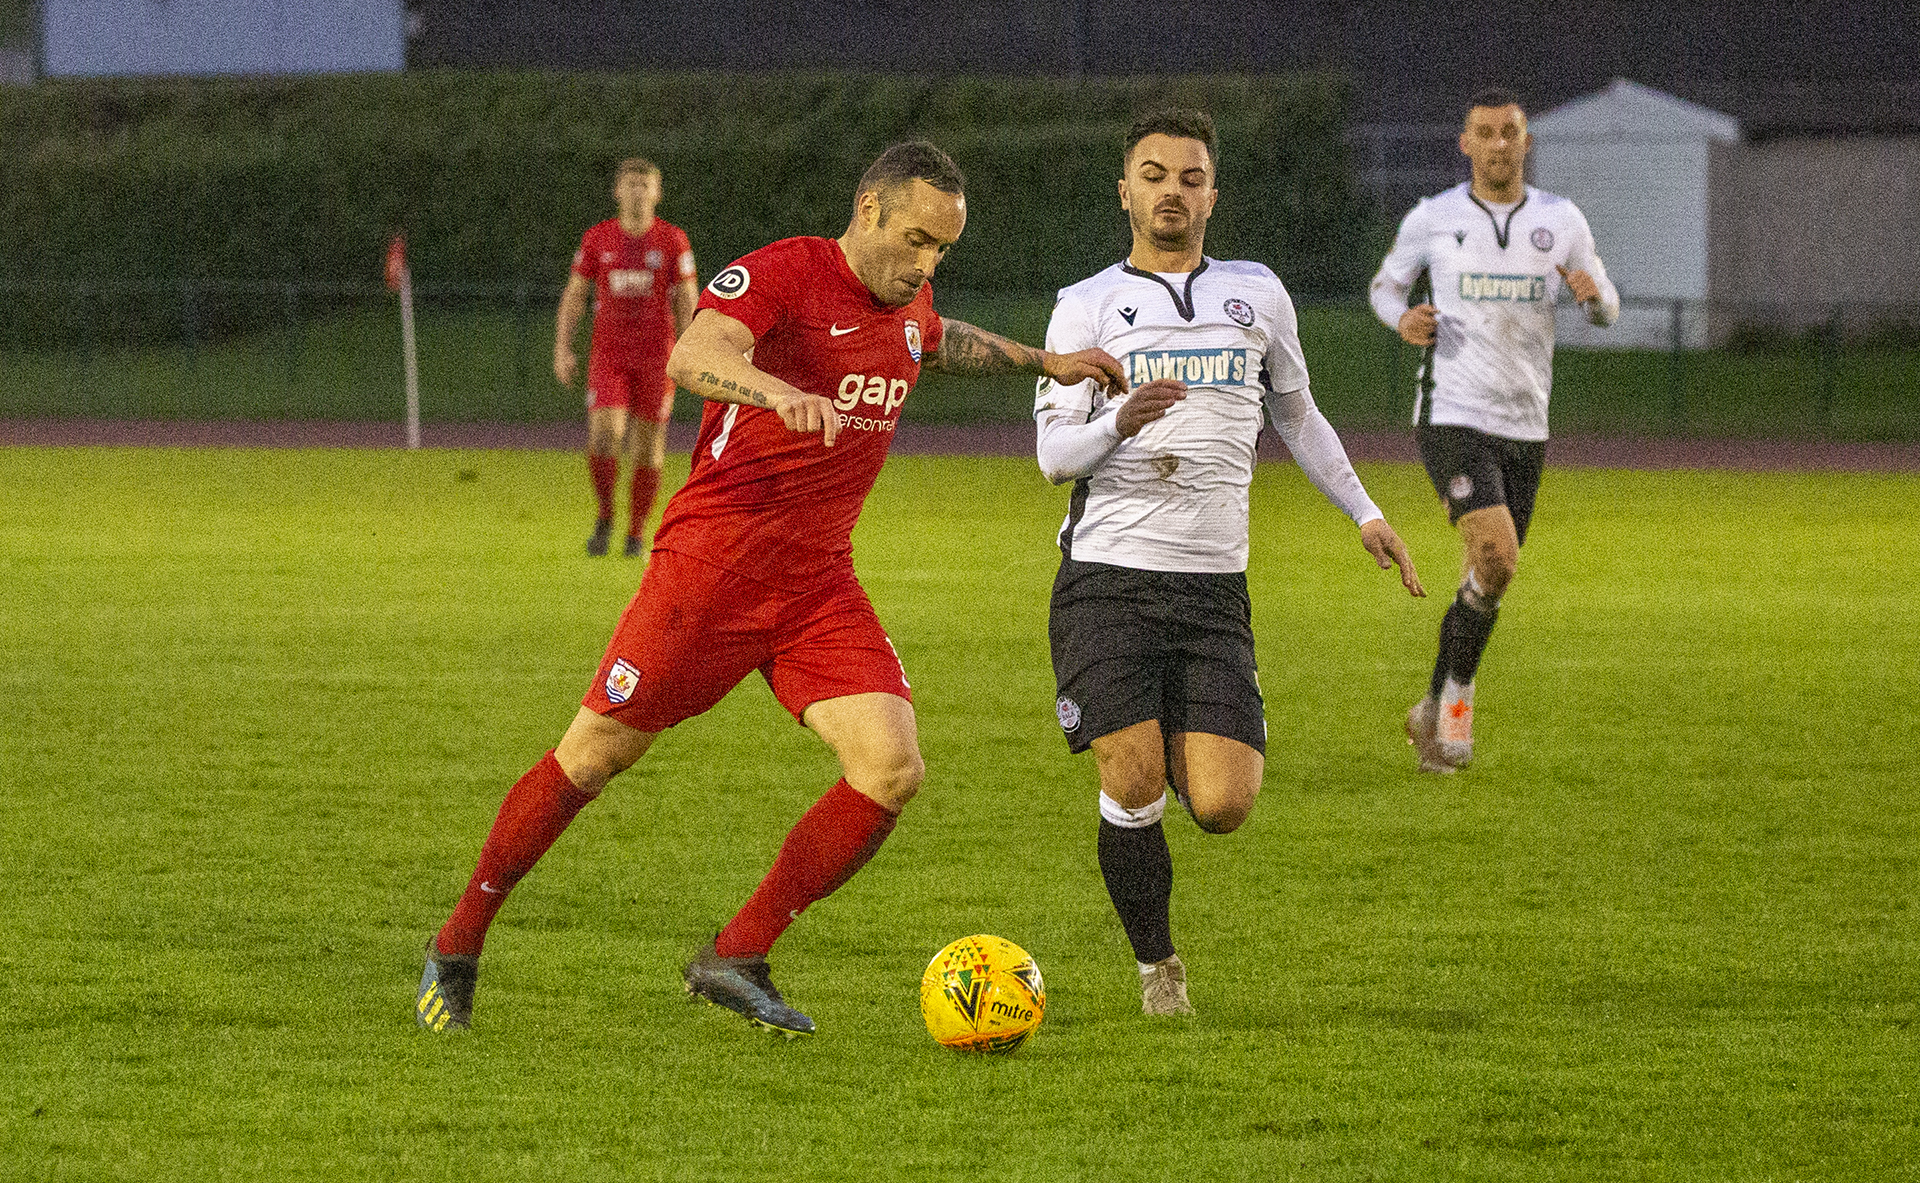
<point x="1240" y="312"/>
<point x="913" y="339"/>
<point x="1542" y="238"/>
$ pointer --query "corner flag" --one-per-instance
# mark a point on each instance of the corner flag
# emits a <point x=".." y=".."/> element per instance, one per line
<point x="400" y="279"/>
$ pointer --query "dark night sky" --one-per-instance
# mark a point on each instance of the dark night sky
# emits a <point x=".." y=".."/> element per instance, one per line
<point x="1849" y="65"/>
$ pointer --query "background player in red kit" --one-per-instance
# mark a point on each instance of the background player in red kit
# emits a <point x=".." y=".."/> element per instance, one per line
<point x="641" y="273"/>
<point x="752" y="568"/>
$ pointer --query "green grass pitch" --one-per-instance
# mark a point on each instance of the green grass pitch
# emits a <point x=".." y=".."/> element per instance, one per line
<point x="257" y="710"/>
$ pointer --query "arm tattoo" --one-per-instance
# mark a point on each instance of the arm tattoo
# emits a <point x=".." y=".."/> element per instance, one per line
<point x="971" y="352"/>
<point x="712" y="382"/>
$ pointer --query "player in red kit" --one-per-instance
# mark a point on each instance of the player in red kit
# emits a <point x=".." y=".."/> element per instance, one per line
<point x="640" y="270"/>
<point x="805" y="351"/>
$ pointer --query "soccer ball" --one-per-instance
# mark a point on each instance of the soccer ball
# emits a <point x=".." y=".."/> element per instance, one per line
<point x="982" y="994"/>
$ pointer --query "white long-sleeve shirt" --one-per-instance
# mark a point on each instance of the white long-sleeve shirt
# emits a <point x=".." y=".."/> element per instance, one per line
<point x="1494" y="270"/>
<point x="1174" y="496"/>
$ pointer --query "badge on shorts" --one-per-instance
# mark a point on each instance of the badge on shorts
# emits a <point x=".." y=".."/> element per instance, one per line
<point x="730" y="283"/>
<point x="1068" y="712"/>
<point x="1543" y="238"/>
<point x="1460" y="488"/>
<point x="913" y="339"/>
<point x="1240" y="312"/>
<point x="622" y="681"/>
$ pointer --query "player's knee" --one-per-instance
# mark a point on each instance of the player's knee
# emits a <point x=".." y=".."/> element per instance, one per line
<point x="1133" y="784"/>
<point x="594" y="751"/>
<point x="589" y="775"/>
<point x="1493" y="566"/>
<point x="1220" y="820"/>
<point x="1225" y="813"/>
<point x="892" y="782"/>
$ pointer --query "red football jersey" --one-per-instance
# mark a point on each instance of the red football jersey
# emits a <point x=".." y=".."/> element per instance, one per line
<point x="772" y="504"/>
<point x="633" y="279"/>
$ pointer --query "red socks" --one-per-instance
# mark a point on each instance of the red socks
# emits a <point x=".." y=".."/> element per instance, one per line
<point x="830" y="842"/>
<point x="537" y="809"/>
<point x="605" y="471"/>
<point x="645" y="487"/>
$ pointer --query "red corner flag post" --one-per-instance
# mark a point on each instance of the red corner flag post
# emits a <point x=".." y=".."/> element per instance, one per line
<point x="400" y="279"/>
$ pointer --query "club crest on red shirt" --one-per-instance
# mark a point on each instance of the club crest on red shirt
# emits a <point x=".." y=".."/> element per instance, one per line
<point x="913" y="339"/>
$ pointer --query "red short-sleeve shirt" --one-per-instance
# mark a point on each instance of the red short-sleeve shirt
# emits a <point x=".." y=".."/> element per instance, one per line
<point x="633" y="278"/>
<point x="769" y="503"/>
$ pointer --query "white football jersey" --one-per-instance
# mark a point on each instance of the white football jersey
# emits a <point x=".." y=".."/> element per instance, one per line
<point x="1495" y="281"/>
<point x="1174" y="497"/>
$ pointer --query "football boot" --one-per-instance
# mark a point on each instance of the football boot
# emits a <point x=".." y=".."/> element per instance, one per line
<point x="744" y="985"/>
<point x="446" y="990"/>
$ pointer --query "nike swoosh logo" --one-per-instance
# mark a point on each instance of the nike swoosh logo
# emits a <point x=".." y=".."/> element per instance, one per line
<point x="837" y="331"/>
<point x="489" y="888"/>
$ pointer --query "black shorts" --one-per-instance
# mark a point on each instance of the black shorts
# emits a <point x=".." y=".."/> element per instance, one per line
<point x="1132" y="645"/>
<point x="1473" y="470"/>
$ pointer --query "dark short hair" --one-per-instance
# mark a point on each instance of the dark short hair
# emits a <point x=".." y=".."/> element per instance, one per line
<point x="636" y="164"/>
<point x="1186" y="123"/>
<point x="915" y="160"/>
<point x="1494" y="96"/>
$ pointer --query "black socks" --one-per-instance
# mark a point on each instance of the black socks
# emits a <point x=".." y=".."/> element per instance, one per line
<point x="1463" y="638"/>
<point x="1138" y="869"/>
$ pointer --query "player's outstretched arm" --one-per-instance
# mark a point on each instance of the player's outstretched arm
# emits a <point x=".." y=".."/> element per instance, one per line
<point x="1388" y="551"/>
<point x="973" y="352"/>
<point x="1317" y="450"/>
<point x="711" y="361"/>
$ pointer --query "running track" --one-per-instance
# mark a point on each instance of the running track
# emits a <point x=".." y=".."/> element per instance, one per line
<point x="993" y="439"/>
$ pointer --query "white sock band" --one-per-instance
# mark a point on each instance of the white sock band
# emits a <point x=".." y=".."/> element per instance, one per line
<point x="1475" y="596"/>
<point x="1132" y="819"/>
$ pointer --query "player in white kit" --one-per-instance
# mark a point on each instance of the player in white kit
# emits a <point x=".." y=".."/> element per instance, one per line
<point x="1150" y="623"/>
<point x="1473" y="276"/>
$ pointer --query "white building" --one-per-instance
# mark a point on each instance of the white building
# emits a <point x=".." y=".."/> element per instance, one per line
<point x="1635" y="160"/>
<point x="92" y="38"/>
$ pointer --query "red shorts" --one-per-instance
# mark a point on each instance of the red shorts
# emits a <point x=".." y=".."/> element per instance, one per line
<point x="646" y="393"/>
<point x="694" y="631"/>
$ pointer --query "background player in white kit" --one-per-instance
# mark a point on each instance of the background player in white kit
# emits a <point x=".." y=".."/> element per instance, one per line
<point x="1482" y="265"/>
<point x="1150" y="622"/>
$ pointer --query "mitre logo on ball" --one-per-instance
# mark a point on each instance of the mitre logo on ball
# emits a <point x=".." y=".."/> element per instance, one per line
<point x="982" y="994"/>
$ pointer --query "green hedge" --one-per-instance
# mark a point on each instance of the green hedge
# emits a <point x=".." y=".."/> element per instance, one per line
<point x="494" y="175"/>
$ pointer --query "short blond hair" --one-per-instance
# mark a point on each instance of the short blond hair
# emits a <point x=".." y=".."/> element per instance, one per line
<point x="636" y="164"/>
